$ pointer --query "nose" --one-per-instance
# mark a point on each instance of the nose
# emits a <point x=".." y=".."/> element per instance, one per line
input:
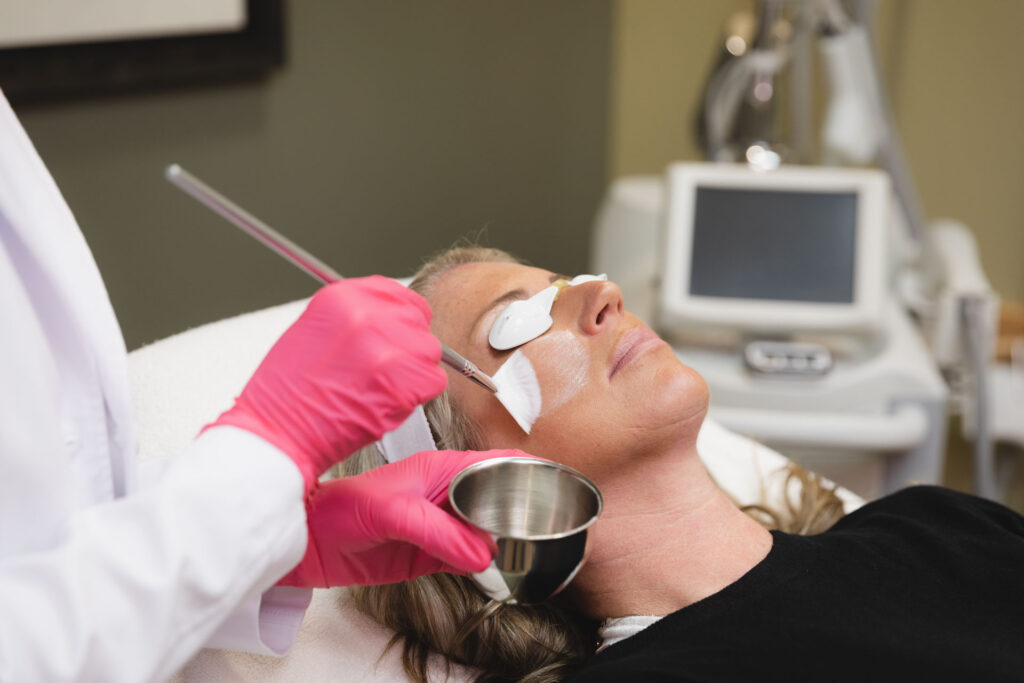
<point x="600" y="306"/>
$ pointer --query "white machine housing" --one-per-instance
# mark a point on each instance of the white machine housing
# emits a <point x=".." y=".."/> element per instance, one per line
<point x="874" y="423"/>
<point x="813" y="259"/>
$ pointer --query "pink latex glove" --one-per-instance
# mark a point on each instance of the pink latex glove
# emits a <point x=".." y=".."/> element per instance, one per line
<point x="352" y="367"/>
<point x="390" y="524"/>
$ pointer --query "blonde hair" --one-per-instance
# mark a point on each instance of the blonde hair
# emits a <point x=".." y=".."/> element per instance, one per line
<point x="447" y="614"/>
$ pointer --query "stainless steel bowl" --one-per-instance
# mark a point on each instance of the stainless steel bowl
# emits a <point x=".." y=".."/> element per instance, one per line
<point x="538" y="513"/>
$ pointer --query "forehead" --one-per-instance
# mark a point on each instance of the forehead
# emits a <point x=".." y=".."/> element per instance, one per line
<point x="461" y="293"/>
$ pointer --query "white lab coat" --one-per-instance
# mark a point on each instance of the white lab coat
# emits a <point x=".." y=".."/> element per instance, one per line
<point x="103" y="578"/>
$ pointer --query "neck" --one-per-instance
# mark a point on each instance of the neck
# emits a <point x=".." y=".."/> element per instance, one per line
<point x="669" y="537"/>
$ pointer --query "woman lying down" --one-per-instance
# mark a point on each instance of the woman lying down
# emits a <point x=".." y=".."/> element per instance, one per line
<point x="926" y="583"/>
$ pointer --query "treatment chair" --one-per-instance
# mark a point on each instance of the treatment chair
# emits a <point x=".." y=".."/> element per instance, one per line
<point x="184" y="381"/>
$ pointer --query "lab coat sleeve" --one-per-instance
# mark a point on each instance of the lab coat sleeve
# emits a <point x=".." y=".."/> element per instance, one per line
<point x="140" y="584"/>
<point x="266" y="624"/>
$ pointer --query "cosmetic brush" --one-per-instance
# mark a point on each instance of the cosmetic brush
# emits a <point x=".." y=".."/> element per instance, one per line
<point x="519" y="390"/>
<point x="515" y="384"/>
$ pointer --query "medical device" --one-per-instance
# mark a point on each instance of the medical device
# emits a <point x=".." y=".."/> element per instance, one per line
<point x="829" y="319"/>
<point x="860" y="400"/>
<point x="298" y="256"/>
<point x="798" y="249"/>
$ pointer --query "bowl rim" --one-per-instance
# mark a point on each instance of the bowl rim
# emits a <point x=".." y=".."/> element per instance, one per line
<point x="516" y="459"/>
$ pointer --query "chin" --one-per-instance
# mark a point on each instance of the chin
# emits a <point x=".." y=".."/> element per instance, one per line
<point x="677" y="399"/>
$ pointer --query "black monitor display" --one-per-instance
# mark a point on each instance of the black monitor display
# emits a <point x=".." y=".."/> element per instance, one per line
<point x="778" y="245"/>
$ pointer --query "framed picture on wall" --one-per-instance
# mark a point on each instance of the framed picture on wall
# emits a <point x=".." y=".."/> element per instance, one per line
<point x="61" y="49"/>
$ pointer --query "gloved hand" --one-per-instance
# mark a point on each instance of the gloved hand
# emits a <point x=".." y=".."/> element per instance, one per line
<point x="389" y="525"/>
<point x="352" y="367"/>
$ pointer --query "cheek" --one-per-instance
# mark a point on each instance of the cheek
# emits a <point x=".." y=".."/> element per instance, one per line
<point x="663" y="382"/>
<point x="562" y="364"/>
<point x="672" y="401"/>
<point x="590" y="425"/>
<point x="661" y="405"/>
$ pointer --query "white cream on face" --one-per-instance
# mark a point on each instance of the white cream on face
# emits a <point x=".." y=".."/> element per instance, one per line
<point x="562" y="353"/>
<point x="563" y="365"/>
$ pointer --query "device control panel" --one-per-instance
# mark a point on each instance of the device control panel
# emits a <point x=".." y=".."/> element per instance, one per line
<point x="787" y="359"/>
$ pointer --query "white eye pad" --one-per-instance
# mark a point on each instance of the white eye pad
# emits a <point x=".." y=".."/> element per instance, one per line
<point x="527" y="319"/>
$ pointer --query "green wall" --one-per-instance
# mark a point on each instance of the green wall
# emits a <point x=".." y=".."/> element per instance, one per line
<point x="394" y="129"/>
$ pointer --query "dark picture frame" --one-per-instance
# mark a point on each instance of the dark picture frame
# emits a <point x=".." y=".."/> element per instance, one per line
<point x="65" y="71"/>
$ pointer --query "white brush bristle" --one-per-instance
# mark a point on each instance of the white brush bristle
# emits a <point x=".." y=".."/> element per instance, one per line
<point x="518" y="390"/>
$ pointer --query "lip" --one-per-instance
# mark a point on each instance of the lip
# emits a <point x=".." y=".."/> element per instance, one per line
<point x="632" y="344"/>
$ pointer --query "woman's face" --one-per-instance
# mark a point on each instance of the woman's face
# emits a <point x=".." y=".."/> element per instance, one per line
<point x="611" y="390"/>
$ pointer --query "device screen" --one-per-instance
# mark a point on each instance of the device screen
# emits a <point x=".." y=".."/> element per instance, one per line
<point x="766" y="244"/>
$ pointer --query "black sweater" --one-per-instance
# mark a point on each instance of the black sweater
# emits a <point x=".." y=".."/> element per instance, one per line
<point x="926" y="584"/>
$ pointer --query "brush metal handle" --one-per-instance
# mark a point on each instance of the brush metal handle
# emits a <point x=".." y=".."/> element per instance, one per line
<point x="250" y="225"/>
<point x="467" y="368"/>
<point x="292" y="252"/>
